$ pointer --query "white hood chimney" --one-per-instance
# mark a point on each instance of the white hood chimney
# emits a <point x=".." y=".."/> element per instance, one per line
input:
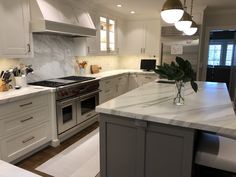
<point x="60" y="17"/>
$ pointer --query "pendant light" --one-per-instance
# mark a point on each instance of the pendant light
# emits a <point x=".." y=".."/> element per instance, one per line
<point x="193" y="28"/>
<point x="172" y="11"/>
<point x="185" y="22"/>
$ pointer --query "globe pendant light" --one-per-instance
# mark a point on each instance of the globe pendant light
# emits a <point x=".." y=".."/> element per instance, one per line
<point x="185" y="22"/>
<point x="192" y="30"/>
<point x="172" y="11"/>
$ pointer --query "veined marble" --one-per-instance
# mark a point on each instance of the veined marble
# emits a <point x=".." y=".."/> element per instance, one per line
<point x="23" y="93"/>
<point x="209" y="109"/>
<point x="112" y="73"/>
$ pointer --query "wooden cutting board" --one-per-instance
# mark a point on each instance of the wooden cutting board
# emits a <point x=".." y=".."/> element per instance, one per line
<point x="95" y="69"/>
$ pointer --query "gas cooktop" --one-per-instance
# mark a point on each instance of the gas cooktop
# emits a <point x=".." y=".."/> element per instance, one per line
<point x="62" y="81"/>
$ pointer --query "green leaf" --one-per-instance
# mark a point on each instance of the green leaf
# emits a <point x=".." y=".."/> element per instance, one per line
<point x="194" y="86"/>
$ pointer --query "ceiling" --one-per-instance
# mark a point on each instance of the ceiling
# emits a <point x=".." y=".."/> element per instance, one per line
<point x="153" y="7"/>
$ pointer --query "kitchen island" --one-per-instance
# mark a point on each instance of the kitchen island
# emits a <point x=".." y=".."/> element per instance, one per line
<point x="144" y="134"/>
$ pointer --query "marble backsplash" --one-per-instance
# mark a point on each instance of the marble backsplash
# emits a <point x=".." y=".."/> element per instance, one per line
<point x="54" y="57"/>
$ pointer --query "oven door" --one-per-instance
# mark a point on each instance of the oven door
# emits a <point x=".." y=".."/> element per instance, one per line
<point x="66" y="115"/>
<point x="86" y="106"/>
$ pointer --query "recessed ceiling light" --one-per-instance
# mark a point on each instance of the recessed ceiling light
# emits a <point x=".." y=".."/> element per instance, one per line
<point x="119" y="5"/>
<point x="132" y="12"/>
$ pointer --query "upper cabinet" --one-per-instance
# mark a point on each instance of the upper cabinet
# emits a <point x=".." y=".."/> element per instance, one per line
<point x="14" y="31"/>
<point x="107" y="35"/>
<point x="105" y="42"/>
<point x="142" y="38"/>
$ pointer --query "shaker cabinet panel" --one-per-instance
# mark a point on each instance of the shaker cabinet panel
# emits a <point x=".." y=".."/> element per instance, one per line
<point x="142" y="38"/>
<point x="15" y="36"/>
<point x="152" y="38"/>
<point x="136" y="148"/>
<point x="135" y="37"/>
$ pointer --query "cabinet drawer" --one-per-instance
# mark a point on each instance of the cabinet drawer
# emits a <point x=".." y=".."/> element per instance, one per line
<point x="16" y="146"/>
<point x="122" y="79"/>
<point x="106" y="83"/>
<point x="23" y="105"/>
<point x="11" y="125"/>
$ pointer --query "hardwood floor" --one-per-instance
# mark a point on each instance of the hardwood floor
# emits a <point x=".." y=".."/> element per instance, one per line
<point x="44" y="155"/>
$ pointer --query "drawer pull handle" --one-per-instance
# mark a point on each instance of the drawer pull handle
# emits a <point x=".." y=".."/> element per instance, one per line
<point x="26" y="104"/>
<point x="28" y="139"/>
<point x="22" y="121"/>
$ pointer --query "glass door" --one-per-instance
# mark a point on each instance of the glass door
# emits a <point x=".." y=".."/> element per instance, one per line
<point x="107" y="35"/>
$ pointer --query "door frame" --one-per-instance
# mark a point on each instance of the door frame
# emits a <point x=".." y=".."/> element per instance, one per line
<point x="206" y="46"/>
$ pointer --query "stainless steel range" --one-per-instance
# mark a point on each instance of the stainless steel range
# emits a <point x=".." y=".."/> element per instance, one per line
<point x="76" y="99"/>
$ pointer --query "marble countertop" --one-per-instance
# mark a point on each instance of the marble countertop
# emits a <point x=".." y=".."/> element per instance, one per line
<point x="26" y="92"/>
<point x="209" y="109"/>
<point x="112" y="73"/>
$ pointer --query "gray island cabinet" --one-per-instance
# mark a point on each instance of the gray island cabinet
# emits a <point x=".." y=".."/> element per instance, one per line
<point x="142" y="134"/>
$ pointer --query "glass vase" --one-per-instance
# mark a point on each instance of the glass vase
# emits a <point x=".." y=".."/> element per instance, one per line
<point x="179" y="93"/>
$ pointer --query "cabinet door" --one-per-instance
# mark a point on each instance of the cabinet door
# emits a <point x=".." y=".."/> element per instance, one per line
<point x="133" y="81"/>
<point x="146" y="78"/>
<point x="122" y="150"/>
<point x="93" y="42"/>
<point x="152" y="37"/>
<point x="169" y="151"/>
<point x="120" y="37"/>
<point x="14" y="16"/>
<point x="135" y="37"/>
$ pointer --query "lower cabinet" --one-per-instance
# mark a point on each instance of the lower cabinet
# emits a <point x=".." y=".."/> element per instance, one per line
<point x="15" y="146"/>
<point x="134" y="148"/>
<point x="25" y="125"/>
<point x="113" y="87"/>
<point x="118" y="85"/>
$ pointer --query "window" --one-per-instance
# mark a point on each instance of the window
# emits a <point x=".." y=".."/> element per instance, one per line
<point x="220" y="53"/>
<point x="229" y="54"/>
<point x="214" y="55"/>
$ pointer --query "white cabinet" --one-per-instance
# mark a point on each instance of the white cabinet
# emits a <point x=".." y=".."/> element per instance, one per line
<point x="14" y="31"/>
<point x="152" y="37"/>
<point x="142" y="38"/>
<point x="139" y="79"/>
<point x="105" y="41"/>
<point x="93" y="42"/>
<point x="120" y="84"/>
<point x="24" y="126"/>
<point x="113" y="87"/>
<point x="134" y="37"/>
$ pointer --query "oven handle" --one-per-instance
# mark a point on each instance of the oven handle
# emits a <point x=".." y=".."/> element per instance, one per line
<point x="61" y="103"/>
<point x="89" y="94"/>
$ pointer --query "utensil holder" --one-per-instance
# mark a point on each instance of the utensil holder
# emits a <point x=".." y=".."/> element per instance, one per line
<point x="21" y="81"/>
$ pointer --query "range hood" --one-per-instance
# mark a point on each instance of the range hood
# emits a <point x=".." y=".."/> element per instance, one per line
<point x="60" y="17"/>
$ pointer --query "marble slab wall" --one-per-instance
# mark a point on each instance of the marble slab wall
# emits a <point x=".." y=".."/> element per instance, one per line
<point x="53" y="57"/>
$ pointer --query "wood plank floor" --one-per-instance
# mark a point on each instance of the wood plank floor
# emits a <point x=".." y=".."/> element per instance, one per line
<point x="44" y="155"/>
